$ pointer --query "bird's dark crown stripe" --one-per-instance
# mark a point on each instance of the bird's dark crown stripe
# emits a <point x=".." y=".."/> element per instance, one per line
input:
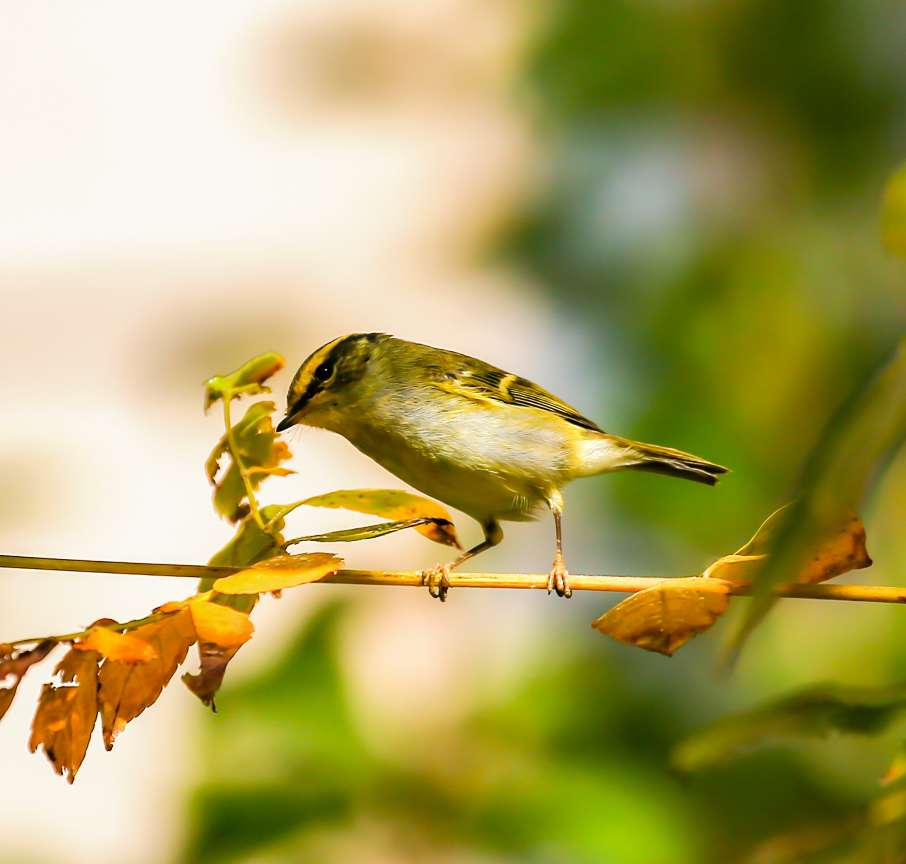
<point x="330" y="353"/>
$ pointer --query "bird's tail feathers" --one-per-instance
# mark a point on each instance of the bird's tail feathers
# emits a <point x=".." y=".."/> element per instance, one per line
<point x="612" y="453"/>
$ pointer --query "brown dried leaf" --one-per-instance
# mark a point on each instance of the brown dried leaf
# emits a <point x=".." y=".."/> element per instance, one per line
<point x="393" y="504"/>
<point x="666" y="617"/>
<point x="206" y="683"/>
<point x="840" y="550"/>
<point x="127" y="689"/>
<point x="285" y="571"/>
<point x="124" y="647"/>
<point x="13" y="666"/>
<point x="66" y="713"/>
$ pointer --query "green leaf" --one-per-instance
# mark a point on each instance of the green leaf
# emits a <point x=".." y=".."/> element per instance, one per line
<point x="893" y="213"/>
<point x="811" y="713"/>
<point x="261" y="452"/>
<point x="365" y="532"/>
<point x="394" y="504"/>
<point x="247" y="379"/>
<point x="250" y="544"/>
<point x="868" y="429"/>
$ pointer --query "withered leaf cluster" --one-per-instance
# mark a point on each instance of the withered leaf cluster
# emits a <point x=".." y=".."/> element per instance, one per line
<point x="114" y="671"/>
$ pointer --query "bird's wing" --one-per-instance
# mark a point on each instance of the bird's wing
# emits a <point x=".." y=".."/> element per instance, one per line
<point x="473" y="379"/>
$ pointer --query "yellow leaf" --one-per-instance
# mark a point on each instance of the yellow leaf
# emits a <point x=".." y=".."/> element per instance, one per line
<point x="126" y="689"/>
<point x="66" y="714"/>
<point x="220" y="625"/>
<point x="222" y="630"/>
<point x="285" y="571"/>
<point x="666" y="617"/>
<point x="393" y="504"/>
<point x="838" y="551"/>
<point x="125" y="647"/>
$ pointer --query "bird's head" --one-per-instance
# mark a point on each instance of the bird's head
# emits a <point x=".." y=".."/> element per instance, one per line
<point x="325" y="384"/>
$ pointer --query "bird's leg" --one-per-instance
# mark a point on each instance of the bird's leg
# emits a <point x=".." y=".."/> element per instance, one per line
<point x="436" y="577"/>
<point x="558" y="578"/>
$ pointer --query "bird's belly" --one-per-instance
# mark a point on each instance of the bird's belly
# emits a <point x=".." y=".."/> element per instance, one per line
<point x="472" y="462"/>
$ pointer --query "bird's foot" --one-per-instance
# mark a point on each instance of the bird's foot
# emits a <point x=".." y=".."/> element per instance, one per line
<point x="558" y="578"/>
<point x="437" y="580"/>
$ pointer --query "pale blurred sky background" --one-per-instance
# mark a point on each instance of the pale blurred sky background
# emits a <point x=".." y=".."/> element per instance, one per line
<point x="185" y="185"/>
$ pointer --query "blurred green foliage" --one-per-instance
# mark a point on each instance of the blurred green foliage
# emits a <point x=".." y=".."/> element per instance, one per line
<point x="710" y="234"/>
<point x="712" y="222"/>
<point x="553" y="771"/>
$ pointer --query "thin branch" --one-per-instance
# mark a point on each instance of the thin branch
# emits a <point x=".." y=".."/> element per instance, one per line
<point x="240" y="465"/>
<point x="413" y="579"/>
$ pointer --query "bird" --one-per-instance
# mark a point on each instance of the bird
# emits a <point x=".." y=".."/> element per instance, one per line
<point x="484" y="441"/>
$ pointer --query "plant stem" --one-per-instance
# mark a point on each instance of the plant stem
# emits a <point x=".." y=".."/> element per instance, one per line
<point x="412" y="578"/>
<point x="240" y="467"/>
<point x="122" y="627"/>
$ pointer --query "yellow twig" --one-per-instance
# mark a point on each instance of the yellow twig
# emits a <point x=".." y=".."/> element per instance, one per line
<point x="412" y="579"/>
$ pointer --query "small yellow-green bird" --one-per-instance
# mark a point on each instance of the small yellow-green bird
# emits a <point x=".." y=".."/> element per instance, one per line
<point x="482" y="440"/>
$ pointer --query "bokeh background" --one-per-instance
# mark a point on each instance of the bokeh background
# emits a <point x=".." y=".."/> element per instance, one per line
<point x="666" y="211"/>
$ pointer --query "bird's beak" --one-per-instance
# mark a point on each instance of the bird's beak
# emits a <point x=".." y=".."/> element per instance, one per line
<point x="287" y="422"/>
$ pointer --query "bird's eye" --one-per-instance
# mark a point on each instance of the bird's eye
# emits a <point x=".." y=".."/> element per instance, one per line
<point x="324" y="371"/>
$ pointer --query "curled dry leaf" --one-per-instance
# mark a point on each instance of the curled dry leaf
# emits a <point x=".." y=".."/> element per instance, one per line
<point x="248" y="378"/>
<point x="840" y="549"/>
<point x="13" y="666"/>
<point x="284" y="571"/>
<point x="666" y="617"/>
<point x="123" y="647"/>
<point x="126" y="689"/>
<point x="393" y="504"/>
<point x="214" y="660"/>
<point x="66" y="713"/>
